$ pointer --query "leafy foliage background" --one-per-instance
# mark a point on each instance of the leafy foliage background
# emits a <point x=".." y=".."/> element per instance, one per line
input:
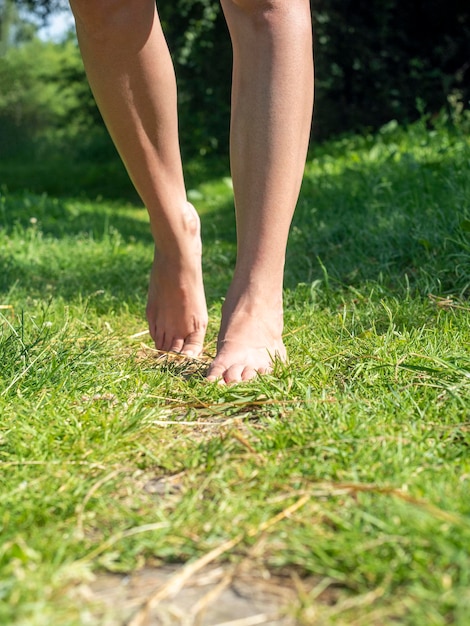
<point x="376" y="60"/>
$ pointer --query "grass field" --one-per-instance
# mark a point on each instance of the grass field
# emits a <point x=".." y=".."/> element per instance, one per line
<point x="351" y="465"/>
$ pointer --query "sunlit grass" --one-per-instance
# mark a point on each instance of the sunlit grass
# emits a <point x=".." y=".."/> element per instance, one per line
<point x="369" y="422"/>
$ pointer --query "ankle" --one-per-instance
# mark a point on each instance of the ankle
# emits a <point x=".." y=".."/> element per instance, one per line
<point x="258" y="290"/>
<point x="250" y="304"/>
<point x="180" y="237"/>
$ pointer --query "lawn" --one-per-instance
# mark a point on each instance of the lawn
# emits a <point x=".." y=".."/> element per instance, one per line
<point x="349" y="467"/>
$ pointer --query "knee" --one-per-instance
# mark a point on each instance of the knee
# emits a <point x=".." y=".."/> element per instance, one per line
<point x="269" y="13"/>
<point x="267" y="7"/>
<point x="100" y="18"/>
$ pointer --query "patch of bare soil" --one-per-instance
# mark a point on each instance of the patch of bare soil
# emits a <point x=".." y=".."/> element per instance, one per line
<point x="201" y="593"/>
<point x="216" y="596"/>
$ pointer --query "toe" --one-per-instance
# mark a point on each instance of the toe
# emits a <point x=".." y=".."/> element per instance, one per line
<point x="177" y="345"/>
<point x="167" y="342"/>
<point x="249" y="373"/>
<point x="159" y="339"/>
<point x="193" y="344"/>
<point x="234" y="374"/>
<point x="216" y="373"/>
<point x="153" y="332"/>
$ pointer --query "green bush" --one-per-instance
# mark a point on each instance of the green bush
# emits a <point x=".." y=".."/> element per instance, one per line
<point x="376" y="60"/>
<point x="45" y="101"/>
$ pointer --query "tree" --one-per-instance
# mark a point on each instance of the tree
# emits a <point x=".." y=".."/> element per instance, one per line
<point x="42" y="8"/>
<point x="14" y="28"/>
<point x="374" y="60"/>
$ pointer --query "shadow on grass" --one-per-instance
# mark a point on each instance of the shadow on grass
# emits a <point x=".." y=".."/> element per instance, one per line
<point x="398" y="222"/>
<point x="72" y="217"/>
<point x="395" y="222"/>
<point x="100" y="252"/>
<point x="108" y="180"/>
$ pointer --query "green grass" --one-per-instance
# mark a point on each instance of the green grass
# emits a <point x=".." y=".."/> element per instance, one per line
<point x="367" y="427"/>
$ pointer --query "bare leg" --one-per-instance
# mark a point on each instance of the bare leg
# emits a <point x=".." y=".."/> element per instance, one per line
<point x="272" y="103"/>
<point x="131" y="75"/>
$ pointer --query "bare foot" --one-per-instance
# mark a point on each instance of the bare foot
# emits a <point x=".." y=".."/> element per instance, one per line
<point x="176" y="306"/>
<point x="250" y="338"/>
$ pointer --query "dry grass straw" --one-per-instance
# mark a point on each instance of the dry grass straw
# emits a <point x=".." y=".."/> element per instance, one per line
<point x="177" y="582"/>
